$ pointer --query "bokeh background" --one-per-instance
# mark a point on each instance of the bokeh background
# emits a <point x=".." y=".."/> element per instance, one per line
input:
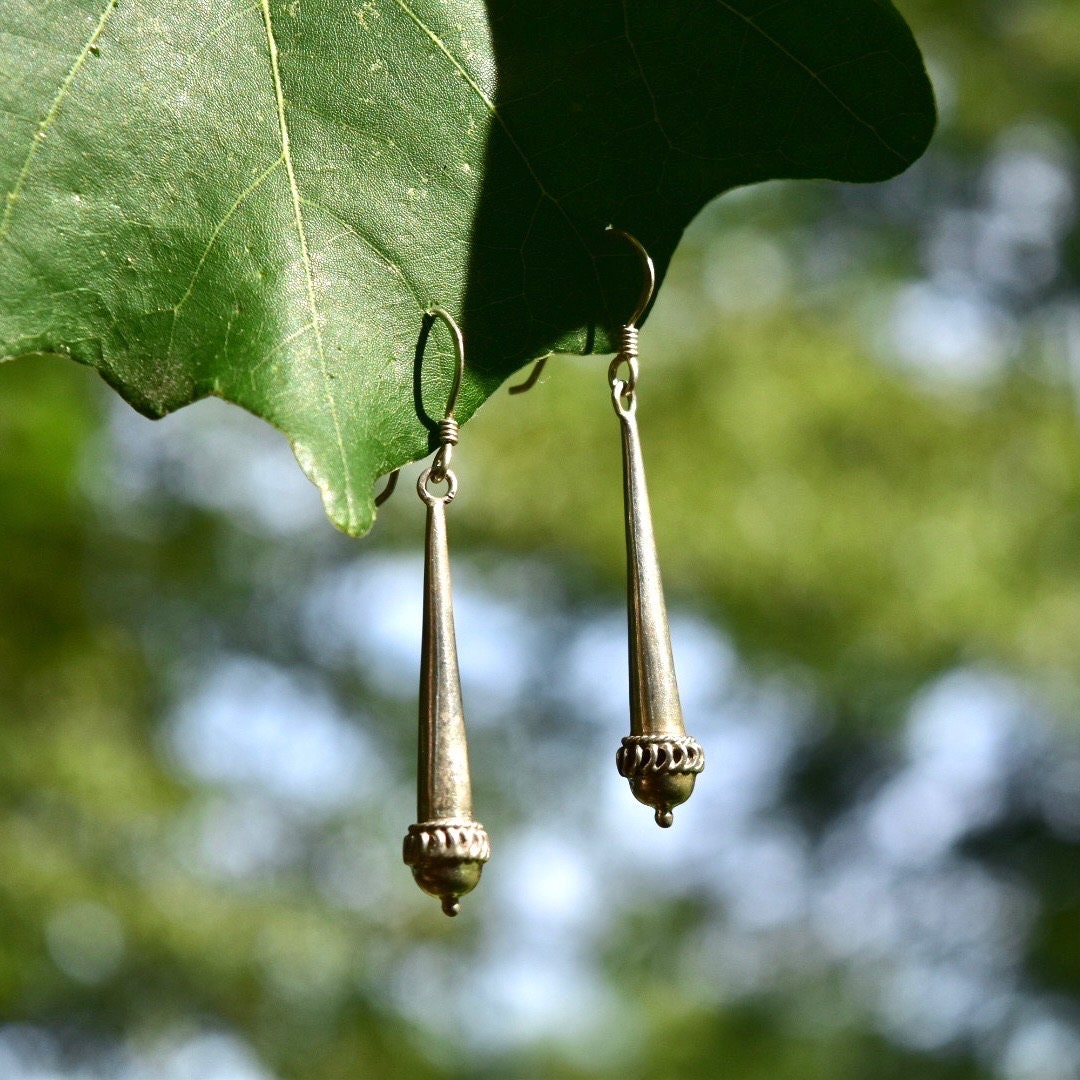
<point x="859" y="407"/>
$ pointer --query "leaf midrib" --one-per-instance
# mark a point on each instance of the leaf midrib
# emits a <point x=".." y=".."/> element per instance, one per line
<point x="305" y="255"/>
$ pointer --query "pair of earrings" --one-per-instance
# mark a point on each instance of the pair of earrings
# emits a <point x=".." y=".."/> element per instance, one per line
<point x="447" y="848"/>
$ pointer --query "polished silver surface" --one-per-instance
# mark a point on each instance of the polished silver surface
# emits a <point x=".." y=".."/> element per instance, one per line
<point x="659" y="759"/>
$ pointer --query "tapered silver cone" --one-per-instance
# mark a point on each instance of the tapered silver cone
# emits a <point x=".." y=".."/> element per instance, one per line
<point x="658" y="758"/>
<point x="446" y="849"/>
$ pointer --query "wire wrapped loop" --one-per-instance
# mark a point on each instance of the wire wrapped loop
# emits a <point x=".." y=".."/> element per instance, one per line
<point x="448" y="431"/>
<point x="448" y="438"/>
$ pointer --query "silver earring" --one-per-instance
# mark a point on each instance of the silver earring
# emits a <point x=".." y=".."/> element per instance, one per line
<point x="446" y="849"/>
<point x="658" y="758"/>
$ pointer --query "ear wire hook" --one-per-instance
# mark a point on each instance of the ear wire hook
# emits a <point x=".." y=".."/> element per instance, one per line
<point x="531" y="381"/>
<point x="388" y="490"/>
<point x="448" y="427"/>
<point x="459" y="351"/>
<point x="623" y="389"/>
<point x="648" y="288"/>
<point x="649" y="284"/>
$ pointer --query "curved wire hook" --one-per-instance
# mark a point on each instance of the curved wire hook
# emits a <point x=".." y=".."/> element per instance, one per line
<point x="648" y="288"/>
<point x="649" y="285"/>
<point x="530" y="382"/>
<point x="455" y="387"/>
<point x="459" y="351"/>
<point x="388" y="490"/>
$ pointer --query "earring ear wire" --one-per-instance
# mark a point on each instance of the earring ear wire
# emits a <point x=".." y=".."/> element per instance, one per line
<point x="648" y="283"/>
<point x="388" y="487"/>
<point x="533" y="378"/>
<point x="649" y="287"/>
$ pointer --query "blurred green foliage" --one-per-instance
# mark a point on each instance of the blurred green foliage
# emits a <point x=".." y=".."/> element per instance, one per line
<point x="868" y="519"/>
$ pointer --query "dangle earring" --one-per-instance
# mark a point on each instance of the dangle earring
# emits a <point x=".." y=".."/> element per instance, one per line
<point x="658" y="758"/>
<point x="446" y="849"/>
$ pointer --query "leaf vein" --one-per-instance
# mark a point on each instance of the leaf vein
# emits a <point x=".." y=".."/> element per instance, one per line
<point x="497" y="116"/>
<point x="50" y="118"/>
<point x="384" y="256"/>
<point x="814" y="75"/>
<point x="467" y="75"/>
<point x="240" y="200"/>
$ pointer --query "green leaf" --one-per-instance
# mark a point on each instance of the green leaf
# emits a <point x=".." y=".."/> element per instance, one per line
<point x="258" y="199"/>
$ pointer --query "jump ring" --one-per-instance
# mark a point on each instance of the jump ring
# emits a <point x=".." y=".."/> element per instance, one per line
<point x="623" y="398"/>
<point x="450" y="477"/>
<point x="630" y="383"/>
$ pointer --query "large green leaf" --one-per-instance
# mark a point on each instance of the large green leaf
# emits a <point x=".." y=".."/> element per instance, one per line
<point x="258" y="198"/>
